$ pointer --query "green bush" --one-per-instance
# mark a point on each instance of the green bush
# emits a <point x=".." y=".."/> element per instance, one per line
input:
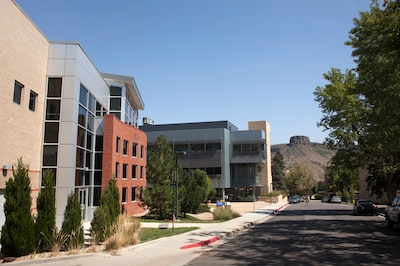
<point x="225" y="214"/>
<point x="18" y="232"/>
<point x="46" y="213"/>
<point x="72" y="222"/>
<point x="106" y="214"/>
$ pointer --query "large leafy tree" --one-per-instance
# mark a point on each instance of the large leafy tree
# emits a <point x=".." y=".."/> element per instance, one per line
<point x="159" y="196"/>
<point x="46" y="212"/>
<point x="360" y="107"/>
<point x="299" y="180"/>
<point x="278" y="170"/>
<point x="18" y="232"/>
<point x="342" y="181"/>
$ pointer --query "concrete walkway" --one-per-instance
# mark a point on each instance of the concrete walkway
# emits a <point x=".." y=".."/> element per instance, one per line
<point x="174" y="250"/>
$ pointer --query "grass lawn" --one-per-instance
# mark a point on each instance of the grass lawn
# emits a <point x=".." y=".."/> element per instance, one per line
<point x="148" y="234"/>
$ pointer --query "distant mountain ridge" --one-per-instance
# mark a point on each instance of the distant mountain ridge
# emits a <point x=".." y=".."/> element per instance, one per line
<point x="300" y="150"/>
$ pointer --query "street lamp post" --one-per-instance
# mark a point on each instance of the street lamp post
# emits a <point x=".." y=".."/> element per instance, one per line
<point x="176" y="182"/>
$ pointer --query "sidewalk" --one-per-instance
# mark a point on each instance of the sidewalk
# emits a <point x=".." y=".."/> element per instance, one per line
<point x="175" y="250"/>
<point x="251" y="213"/>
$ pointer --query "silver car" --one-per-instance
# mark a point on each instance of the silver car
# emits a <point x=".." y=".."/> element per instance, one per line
<point x="336" y="199"/>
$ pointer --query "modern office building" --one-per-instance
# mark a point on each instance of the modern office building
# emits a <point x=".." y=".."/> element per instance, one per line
<point x="59" y="113"/>
<point x="237" y="161"/>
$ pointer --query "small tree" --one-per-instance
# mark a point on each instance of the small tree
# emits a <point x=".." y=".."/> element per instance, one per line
<point x="160" y="165"/>
<point x="72" y="225"/>
<point x="46" y="212"/>
<point x="18" y="231"/>
<point x="107" y="213"/>
<point x="197" y="190"/>
<point x="278" y="170"/>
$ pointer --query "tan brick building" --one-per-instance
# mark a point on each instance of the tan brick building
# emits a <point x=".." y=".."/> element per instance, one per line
<point x="55" y="110"/>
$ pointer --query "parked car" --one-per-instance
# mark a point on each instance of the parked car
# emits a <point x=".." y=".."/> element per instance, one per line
<point x="335" y="199"/>
<point x="392" y="213"/>
<point x="365" y="207"/>
<point x="294" y="199"/>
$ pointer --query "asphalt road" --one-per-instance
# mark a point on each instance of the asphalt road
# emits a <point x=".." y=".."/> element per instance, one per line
<point x="310" y="234"/>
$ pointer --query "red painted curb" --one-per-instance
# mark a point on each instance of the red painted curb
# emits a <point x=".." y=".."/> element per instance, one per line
<point x="281" y="207"/>
<point x="201" y="243"/>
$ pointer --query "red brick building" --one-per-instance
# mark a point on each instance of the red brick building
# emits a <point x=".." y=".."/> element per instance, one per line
<point x="125" y="159"/>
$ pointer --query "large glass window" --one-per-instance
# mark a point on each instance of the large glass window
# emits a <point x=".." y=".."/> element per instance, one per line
<point x="83" y="96"/>
<point x="82" y="116"/>
<point x="51" y="132"/>
<point x="50" y="155"/>
<point x="18" y="87"/>
<point x="115" y="91"/>
<point x="115" y="104"/>
<point x="54" y="87"/>
<point x="53" y="109"/>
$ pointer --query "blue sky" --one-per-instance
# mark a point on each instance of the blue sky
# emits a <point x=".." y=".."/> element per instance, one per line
<point x="211" y="60"/>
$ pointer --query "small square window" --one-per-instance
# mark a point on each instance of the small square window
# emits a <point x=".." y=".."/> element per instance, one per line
<point x="125" y="147"/>
<point x="133" y="195"/>
<point x="18" y="87"/>
<point x="32" y="100"/>
<point x="124" y="194"/>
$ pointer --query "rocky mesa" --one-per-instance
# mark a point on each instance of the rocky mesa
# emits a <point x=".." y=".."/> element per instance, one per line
<point x="301" y="150"/>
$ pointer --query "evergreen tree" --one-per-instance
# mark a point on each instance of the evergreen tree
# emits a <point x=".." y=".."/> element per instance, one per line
<point x="18" y="231"/>
<point x="107" y="213"/>
<point x="159" y="196"/>
<point x="278" y="170"/>
<point x="197" y="189"/>
<point x="71" y="224"/>
<point x="46" y="212"/>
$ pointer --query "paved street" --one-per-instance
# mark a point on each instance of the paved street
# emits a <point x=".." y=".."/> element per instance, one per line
<point x="313" y="234"/>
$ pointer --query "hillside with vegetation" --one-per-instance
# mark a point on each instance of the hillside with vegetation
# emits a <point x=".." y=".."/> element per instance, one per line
<point x="301" y="151"/>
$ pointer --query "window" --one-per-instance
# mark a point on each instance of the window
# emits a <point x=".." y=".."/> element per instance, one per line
<point x="134" y="149"/>
<point x="133" y="195"/>
<point x="124" y="192"/>
<point x="54" y="87"/>
<point x="116" y="169"/>
<point x="134" y="169"/>
<point x="18" y="87"/>
<point x="117" y="145"/>
<point x="141" y="152"/>
<point x="125" y="147"/>
<point x="141" y="172"/>
<point x="32" y="100"/>
<point x="124" y="171"/>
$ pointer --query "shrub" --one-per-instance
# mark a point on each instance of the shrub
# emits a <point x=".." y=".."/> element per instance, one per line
<point x="72" y="222"/>
<point x="46" y="213"/>
<point x="106" y="214"/>
<point x="225" y="214"/>
<point x="126" y="232"/>
<point x="18" y="232"/>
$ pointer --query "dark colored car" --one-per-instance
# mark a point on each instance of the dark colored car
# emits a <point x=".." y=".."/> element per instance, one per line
<point x="392" y="213"/>
<point x="365" y="207"/>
